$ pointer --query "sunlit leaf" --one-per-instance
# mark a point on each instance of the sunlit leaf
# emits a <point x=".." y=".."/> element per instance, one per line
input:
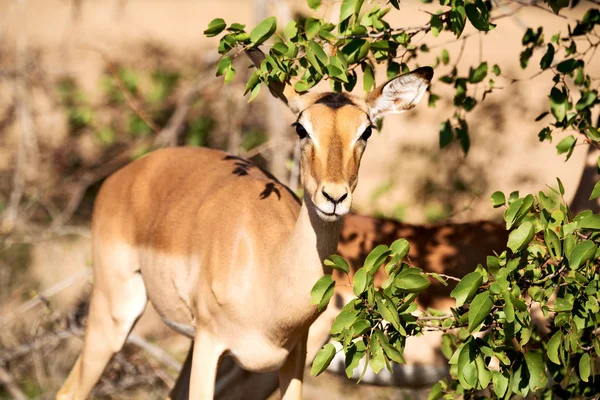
<point x="322" y="359"/>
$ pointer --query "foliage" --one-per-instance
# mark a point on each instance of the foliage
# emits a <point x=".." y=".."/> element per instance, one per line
<point x="551" y="257"/>
<point x="307" y="51"/>
<point x="551" y="262"/>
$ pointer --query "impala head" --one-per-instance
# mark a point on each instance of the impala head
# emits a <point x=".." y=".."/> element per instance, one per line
<point x="333" y="129"/>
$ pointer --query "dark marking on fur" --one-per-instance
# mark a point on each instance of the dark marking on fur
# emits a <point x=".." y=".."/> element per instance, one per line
<point x="335" y="100"/>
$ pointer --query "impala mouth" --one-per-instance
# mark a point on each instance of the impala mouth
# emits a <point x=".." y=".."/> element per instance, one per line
<point x="329" y="217"/>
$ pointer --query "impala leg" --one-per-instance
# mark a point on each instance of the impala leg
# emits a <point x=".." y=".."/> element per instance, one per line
<point x="114" y="309"/>
<point x="205" y="360"/>
<point x="292" y="372"/>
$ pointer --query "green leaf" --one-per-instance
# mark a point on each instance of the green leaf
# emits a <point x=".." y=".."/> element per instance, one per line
<point x="361" y="326"/>
<point x="445" y="57"/>
<point x="280" y="48"/>
<point x="254" y="93"/>
<point x="596" y="191"/>
<point x="368" y="77"/>
<point x="590" y="222"/>
<point x="466" y="288"/>
<point x="377" y="360"/>
<point x="553" y="347"/>
<point x="311" y="57"/>
<point x="467" y="369"/>
<point x="263" y="31"/>
<point x="483" y="373"/>
<point x="581" y="253"/>
<point x="337" y="72"/>
<point x="500" y="383"/>
<point x="393" y="70"/>
<point x="498" y="199"/>
<point x="562" y="305"/>
<point x="389" y="350"/>
<point x="479" y="74"/>
<point x="376" y="258"/>
<point x="446" y="134"/>
<point x="338" y="262"/>
<point x="252" y="82"/>
<point x="517" y="210"/>
<point x="436" y="25"/>
<point x="312" y="27"/>
<point x="235" y="27"/>
<point x="223" y="66"/>
<point x="229" y="75"/>
<point x="457" y="20"/>
<point x="537" y="370"/>
<point x="301" y="86"/>
<point x="215" y="27"/>
<point x="496" y="70"/>
<point x="586" y="100"/>
<point x="400" y="248"/>
<point x="319" y="52"/>
<point x="566" y="145"/>
<point x="584" y="367"/>
<point x="478" y="15"/>
<point x="412" y="282"/>
<point x="347" y="9"/>
<point x="322" y="291"/>
<point x="354" y="353"/>
<point x="388" y="310"/>
<point x="553" y="243"/>
<point x="346" y="318"/>
<point x="436" y="392"/>
<point x="520" y="237"/>
<point x="558" y="104"/>
<point x="567" y="66"/>
<point x="509" y="310"/>
<point x="561" y="188"/>
<point x="291" y="30"/>
<point x="547" y="59"/>
<point x="360" y="281"/>
<point x="480" y="308"/>
<point x="314" y="4"/>
<point x="322" y="359"/>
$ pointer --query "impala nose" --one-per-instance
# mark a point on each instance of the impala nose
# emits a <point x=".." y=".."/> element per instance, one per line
<point x="335" y="196"/>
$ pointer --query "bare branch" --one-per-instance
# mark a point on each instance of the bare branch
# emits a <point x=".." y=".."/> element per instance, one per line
<point x="47" y="294"/>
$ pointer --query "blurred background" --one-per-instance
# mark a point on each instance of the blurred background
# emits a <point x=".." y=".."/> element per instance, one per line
<point x="88" y="85"/>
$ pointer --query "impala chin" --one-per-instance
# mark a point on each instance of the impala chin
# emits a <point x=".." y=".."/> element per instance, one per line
<point x="330" y="213"/>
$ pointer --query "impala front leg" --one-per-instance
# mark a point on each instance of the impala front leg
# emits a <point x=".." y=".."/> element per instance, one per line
<point x="292" y="371"/>
<point x="205" y="360"/>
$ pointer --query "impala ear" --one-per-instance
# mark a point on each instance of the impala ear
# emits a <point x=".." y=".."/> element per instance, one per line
<point x="399" y="94"/>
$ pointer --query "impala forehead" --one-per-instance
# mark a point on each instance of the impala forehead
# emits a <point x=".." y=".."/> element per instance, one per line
<point x="325" y="123"/>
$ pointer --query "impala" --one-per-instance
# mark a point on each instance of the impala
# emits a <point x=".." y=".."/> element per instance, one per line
<point x="224" y="252"/>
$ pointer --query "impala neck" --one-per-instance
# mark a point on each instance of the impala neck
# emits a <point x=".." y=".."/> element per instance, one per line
<point x="311" y="241"/>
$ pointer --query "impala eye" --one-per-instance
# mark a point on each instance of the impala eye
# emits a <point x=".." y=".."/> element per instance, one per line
<point x="367" y="133"/>
<point x="301" y="131"/>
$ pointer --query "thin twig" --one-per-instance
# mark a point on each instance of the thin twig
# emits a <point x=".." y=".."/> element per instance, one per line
<point x="47" y="294"/>
<point x="453" y="278"/>
<point x="435" y="318"/>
